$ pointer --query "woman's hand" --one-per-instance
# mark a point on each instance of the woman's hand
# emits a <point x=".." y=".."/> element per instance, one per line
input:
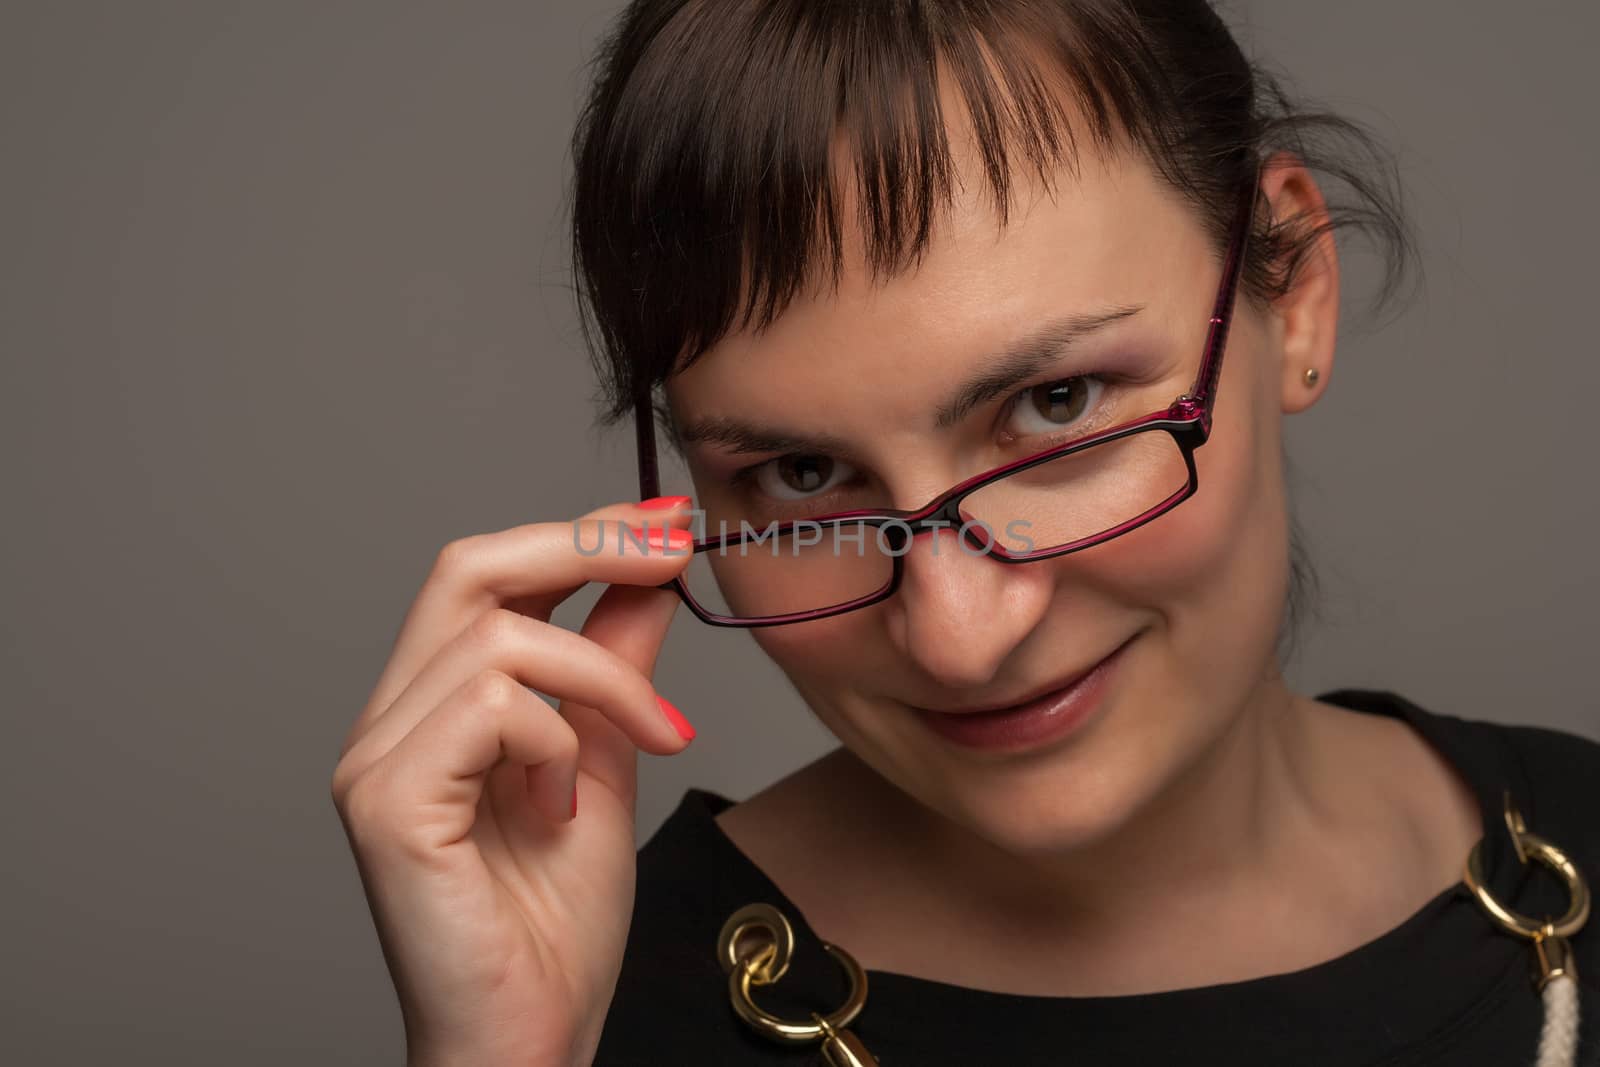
<point x="494" y="833"/>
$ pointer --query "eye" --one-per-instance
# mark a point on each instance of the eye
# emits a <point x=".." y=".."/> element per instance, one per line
<point x="1055" y="407"/>
<point x="1051" y="407"/>
<point x="799" y="476"/>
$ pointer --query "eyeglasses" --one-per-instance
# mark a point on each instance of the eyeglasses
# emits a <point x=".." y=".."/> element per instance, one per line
<point x="1064" y="499"/>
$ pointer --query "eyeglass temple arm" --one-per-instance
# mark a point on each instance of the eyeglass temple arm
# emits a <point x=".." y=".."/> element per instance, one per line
<point x="644" y="425"/>
<point x="1200" y="398"/>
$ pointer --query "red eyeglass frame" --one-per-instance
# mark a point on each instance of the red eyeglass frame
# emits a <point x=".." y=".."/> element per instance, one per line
<point x="1187" y="419"/>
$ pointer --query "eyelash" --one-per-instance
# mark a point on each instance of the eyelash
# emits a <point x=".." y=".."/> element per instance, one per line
<point x="744" y="478"/>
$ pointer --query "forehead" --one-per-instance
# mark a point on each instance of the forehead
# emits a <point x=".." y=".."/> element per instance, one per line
<point x="1110" y="233"/>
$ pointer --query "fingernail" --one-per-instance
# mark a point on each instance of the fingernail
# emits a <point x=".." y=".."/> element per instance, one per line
<point x="662" y="503"/>
<point x="664" y="539"/>
<point x="675" y="717"/>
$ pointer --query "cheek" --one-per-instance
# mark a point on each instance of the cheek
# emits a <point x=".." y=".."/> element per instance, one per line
<point x="1174" y="559"/>
<point x="1215" y="568"/>
<point x="823" y="654"/>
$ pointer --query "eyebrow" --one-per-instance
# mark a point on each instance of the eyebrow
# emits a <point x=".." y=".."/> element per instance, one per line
<point x="1013" y="365"/>
<point x="1027" y="357"/>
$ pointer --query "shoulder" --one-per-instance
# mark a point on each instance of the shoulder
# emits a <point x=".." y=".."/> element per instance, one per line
<point x="1554" y="777"/>
<point x="1561" y="775"/>
<point x="1552" y="774"/>
<point x="1558" y="768"/>
<point x="1566" y="758"/>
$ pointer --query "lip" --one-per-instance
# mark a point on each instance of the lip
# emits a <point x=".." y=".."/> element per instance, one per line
<point x="1012" y="705"/>
<point x="1034" y="722"/>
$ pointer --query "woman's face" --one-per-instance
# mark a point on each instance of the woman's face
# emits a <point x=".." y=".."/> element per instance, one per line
<point x="1199" y="591"/>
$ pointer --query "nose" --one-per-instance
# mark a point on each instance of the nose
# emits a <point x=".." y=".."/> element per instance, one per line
<point x="958" y="613"/>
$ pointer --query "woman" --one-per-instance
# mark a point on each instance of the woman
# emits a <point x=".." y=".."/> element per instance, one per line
<point x="1003" y="266"/>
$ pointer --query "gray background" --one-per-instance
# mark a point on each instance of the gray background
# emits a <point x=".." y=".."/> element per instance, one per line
<point x="283" y="308"/>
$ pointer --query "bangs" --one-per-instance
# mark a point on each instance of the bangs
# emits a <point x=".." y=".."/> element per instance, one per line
<point x="726" y="139"/>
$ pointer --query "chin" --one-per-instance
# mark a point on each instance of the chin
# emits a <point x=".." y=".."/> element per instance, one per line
<point x="1046" y="814"/>
<point x="1054" y="803"/>
<point x="1059" y="797"/>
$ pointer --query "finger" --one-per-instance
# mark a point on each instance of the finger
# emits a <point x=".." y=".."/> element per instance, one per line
<point x="548" y="561"/>
<point x="632" y="623"/>
<point x="536" y="566"/>
<point x="551" y="659"/>
<point x="423" y="794"/>
<point x="620" y="530"/>
<point x="539" y="565"/>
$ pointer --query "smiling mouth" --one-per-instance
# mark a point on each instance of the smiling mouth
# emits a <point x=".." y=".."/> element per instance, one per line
<point x="1033" y="698"/>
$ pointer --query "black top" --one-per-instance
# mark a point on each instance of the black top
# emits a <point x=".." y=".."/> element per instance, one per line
<point x="1446" y="986"/>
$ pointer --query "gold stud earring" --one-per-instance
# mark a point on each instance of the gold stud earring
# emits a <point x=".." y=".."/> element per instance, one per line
<point x="1311" y="376"/>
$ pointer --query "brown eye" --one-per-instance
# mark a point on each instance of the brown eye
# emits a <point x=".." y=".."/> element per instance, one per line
<point x="1059" y="402"/>
<point x="1054" y="406"/>
<point x="804" y="474"/>
<point x="797" y="477"/>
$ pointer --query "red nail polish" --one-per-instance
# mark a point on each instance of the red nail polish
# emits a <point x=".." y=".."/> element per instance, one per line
<point x="675" y="717"/>
<point x="665" y="539"/>
<point x="663" y="503"/>
<point x="574" y="800"/>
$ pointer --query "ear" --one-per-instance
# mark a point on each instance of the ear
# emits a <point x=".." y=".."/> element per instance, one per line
<point x="1304" y="322"/>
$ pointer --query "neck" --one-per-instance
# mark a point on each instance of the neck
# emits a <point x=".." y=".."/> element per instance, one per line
<point x="1253" y="824"/>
